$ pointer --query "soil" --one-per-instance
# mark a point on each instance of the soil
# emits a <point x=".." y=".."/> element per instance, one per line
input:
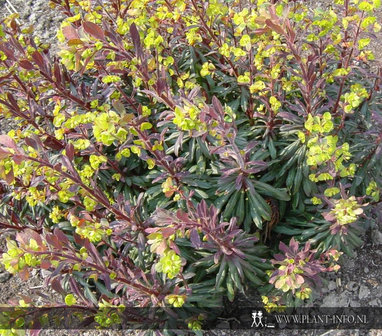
<point x="357" y="284"/>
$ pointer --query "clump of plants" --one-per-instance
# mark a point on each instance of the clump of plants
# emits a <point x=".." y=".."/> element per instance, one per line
<point x="174" y="153"/>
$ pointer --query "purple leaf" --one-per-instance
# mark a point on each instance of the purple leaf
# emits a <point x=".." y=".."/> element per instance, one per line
<point x="70" y="151"/>
<point x="195" y="239"/>
<point x="94" y="30"/>
<point x="136" y="40"/>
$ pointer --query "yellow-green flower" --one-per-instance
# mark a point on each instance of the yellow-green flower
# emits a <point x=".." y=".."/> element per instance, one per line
<point x="170" y="263"/>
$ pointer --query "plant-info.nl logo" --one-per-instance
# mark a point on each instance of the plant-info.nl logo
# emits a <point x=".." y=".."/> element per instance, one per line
<point x="323" y="319"/>
<point x="317" y="318"/>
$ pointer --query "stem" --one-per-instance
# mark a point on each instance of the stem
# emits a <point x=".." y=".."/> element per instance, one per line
<point x="101" y="200"/>
<point x="342" y="84"/>
<point x="209" y="30"/>
<point x="101" y="270"/>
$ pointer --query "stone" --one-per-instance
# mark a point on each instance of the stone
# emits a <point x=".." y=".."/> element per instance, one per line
<point x="4" y="277"/>
<point x="364" y="291"/>
<point x="332" y="285"/>
<point x="352" y="286"/>
<point x="223" y="325"/>
<point x="375" y="303"/>
<point x="354" y="303"/>
<point x="335" y="300"/>
<point x="376" y="237"/>
<point x="366" y="270"/>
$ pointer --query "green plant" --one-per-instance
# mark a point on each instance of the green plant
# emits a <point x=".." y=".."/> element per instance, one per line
<point x="156" y="159"/>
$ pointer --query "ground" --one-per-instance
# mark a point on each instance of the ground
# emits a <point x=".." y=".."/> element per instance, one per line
<point x="357" y="284"/>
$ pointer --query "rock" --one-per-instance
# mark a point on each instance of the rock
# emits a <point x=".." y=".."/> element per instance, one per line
<point x="376" y="237"/>
<point x="352" y="286"/>
<point x="375" y="303"/>
<point x="332" y="286"/>
<point x="5" y="277"/>
<point x="354" y="303"/>
<point x="223" y="325"/>
<point x="364" y="291"/>
<point x="366" y="270"/>
<point x="335" y="300"/>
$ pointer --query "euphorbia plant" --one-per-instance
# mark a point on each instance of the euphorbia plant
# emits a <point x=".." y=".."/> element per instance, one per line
<point x="156" y="158"/>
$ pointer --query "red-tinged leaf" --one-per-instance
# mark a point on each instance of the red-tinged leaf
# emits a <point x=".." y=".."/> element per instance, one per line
<point x="283" y="247"/>
<point x="53" y="143"/>
<point x="37" y="57"/>
<point x="9" y="177"/>
<point x="25" y="64"/>
<point x="70" y="33"/>
<point x="56" y="285"/>
<point x="18" y="159"/>
<point x="8" y="52"/>
<point x="94" y="253"/>
<point x="261" y="31"/>
<point x="174" y="247"/>
<point x="57" y="73"/>
<point x="152" y="230"/>
<point x="61" y="236"/>
<point x="7" y="142"/>
<point x="167" y="232"/>
<point x="218" y="106"/>
<point x="53" y="241"/>
<point x="136" y="39"/>
<point x="68" y="164"/>
<point x="69" y="149"/>
<point x="74" y="42"/>
<point x="195" y="239"/>
<point x="4" y="154"/>
<point x="24" y="274"/>
<point x="14" y="25"/>
<point x="31" y="143"/>
<point x="45" y="264"/>
<point x="277" y="28"/>
<point x="13" y="101"/>
<point x="94" y="30"/>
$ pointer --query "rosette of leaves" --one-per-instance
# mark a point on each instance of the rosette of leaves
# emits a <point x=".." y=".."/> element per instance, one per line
<point x="297" y="271"/>
<point x="218" y="253"/>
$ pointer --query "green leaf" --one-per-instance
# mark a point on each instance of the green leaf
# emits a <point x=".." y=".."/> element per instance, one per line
<point x="266" y="189"/>
<point x="222" y="273"/>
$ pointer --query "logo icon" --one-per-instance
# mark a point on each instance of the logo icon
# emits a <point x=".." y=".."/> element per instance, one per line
<point x="257" y="320"/>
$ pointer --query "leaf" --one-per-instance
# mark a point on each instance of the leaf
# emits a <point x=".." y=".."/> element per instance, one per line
<point x="103" y="290"/>
<point x="218" y="106"/>
<point x="75" y="42"/>
<point x="136" y="40"/>
<point x="89" y="295"/>
<point x="70" y="151"/>
<point x="277" y="28"/>
<point x="53" y="143"/>
<point x="70" y="33"/>
<point x="94" y="30"/>
<point x="25" y="64"/>
<point x="268" y="190"/>
<point x="39" y="59"/>
<point x="7" y="141"/>
<point x="31" y="142"/>
<point x="195" y="239"/>
<point x="4" y="154"/>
